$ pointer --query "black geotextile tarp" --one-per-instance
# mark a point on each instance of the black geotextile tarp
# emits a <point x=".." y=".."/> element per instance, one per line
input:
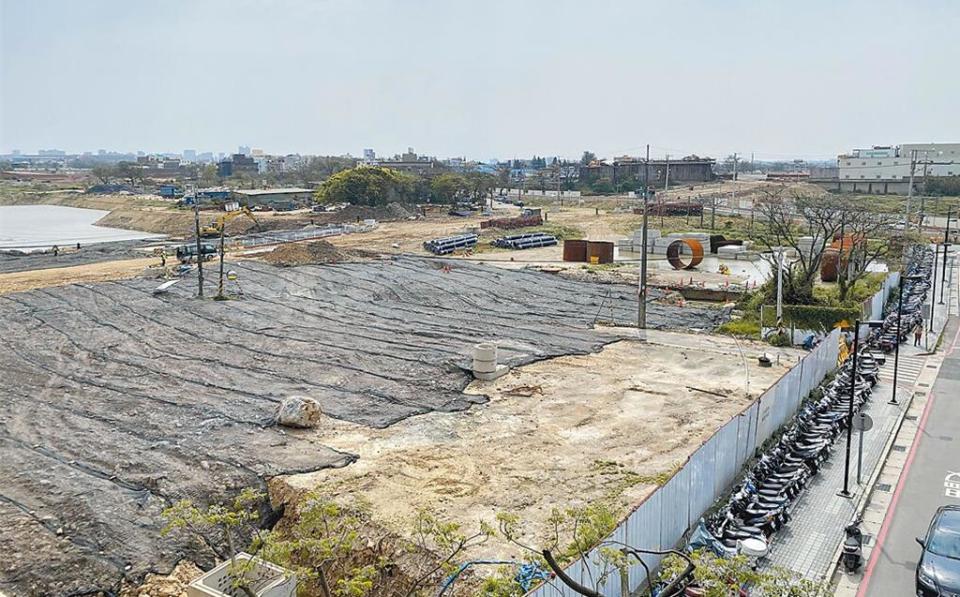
<point x="114" y="403"/>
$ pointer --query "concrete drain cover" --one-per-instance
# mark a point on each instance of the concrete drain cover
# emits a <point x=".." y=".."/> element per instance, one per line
<point x="911" y="417"/>
<point x="883" y="487"/>
<point x="899" y="448"/>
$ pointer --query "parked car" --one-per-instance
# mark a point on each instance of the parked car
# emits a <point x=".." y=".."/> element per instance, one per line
<point x="938" y="571"/>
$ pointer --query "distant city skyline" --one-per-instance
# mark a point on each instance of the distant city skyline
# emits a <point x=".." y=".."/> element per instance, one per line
<point x="502" y="79"/>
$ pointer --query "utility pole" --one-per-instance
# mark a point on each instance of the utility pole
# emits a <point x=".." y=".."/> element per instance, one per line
<point x="735" y="159"/>
<point x="780" y="290"/>
<point x="666" y="178"/>
<point x="933" y="278"/>
<point x="913" y="167"/>
<point x="196" y="222"/>
<point x="946" y="246"/>
<point x="642" y="304"/>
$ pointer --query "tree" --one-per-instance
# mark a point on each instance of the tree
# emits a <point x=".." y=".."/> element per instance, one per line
<point x="208" y="175"/>
<point x="335" y="551"/>
<point x="788" y="219"/>
<point x="821" y="218"/>
<point x="447" y="188"/>
<point x="104" y="173"/>
<point x="723" y="577"/>
<point x="369" y="186"/>
<point x="871" y="241"/>
<point x="480" y="185"/>
<point x="587" y="158"/>
<point x="129" y="171"/>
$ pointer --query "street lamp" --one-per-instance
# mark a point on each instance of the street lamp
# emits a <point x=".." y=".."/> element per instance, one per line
<point x="853" y="394"/>
<point x="896" y="350"/>
<point x="946" y="247"/>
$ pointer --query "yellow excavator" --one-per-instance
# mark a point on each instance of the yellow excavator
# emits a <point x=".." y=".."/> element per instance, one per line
<point x="216" y="226"/>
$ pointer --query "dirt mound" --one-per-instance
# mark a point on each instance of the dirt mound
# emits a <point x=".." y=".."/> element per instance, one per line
<point x="160" y="585"/>
<point x="313" y="253"/>
<point x="382" y="213"/>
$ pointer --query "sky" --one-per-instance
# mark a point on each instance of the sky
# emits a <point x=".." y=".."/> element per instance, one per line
<point x="479" y="79"/>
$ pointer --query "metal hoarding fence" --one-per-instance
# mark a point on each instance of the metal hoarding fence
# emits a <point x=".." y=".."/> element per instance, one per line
<point x="664" y="518"/>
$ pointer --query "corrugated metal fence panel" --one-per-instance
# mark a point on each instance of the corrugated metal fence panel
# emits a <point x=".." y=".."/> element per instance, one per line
<point x="674" y="508"/>
<point x="702" y="469"/>
<point x="765" y="416"/>
<point x="746" y="434"/>
<point x="726" y="460"/>
<point x="666" y="515"/>
<point x="643" y="531"/>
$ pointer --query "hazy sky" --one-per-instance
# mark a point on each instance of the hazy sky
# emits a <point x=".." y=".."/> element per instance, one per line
<point x="476" y="78"/>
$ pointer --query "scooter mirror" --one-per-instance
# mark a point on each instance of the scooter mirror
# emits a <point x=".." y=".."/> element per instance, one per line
<point x="920" y="541"/>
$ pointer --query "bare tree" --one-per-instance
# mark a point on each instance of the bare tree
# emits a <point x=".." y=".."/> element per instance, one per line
<point x="870" y="234"/>
<point x="790" y="217"/>
<point x="810" y="223"/>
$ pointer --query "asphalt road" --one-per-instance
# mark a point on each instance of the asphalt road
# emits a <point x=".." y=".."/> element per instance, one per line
<point x="934" y="456"/>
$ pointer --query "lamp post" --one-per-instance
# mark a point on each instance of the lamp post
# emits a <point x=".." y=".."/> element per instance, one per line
<point x="933" y="278"/>
<point x="853" y="395"/>
<point x="896" y="349"/>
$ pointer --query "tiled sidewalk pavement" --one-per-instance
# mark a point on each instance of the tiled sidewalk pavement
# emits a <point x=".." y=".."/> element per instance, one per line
<point x="807" y="544"/>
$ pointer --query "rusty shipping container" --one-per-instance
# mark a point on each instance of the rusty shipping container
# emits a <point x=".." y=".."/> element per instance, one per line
<point x="603" y="251"/>
<point x="575" y="250"/>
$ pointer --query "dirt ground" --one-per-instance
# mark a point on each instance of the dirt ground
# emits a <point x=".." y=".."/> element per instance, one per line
<point x="115" y="402"/>
<point x="60" y="276"/>
<point x="557" y="433"/>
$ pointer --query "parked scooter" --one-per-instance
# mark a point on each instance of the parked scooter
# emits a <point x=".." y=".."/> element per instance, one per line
<point x="852" y="556"/>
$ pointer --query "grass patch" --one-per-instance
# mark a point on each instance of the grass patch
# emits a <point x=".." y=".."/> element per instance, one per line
<point x="741" y="328"/>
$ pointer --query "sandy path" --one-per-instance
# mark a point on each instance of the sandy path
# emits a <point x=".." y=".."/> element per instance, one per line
<point x="61" y="276"/>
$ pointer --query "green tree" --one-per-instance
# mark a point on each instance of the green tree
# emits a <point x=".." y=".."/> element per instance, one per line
<point x="723" y="577"/>
<point x="587" y="157"/>
<point x="104" y="173"/>
<point x="369" y="186"/>
<point x="447" y="188"/>
<point x="208" y="175"/>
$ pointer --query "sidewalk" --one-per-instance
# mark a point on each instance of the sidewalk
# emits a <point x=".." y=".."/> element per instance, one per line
<point x="809" y="544"/>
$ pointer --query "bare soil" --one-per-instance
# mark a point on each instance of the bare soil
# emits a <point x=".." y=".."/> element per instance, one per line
<point x="598" y="428"/>
<point x="115" y="402"/>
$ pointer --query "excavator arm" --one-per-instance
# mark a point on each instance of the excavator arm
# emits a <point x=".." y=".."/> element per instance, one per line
<point x="217" y="225"/>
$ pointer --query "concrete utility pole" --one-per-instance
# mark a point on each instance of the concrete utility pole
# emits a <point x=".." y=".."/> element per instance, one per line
<point x="196" y="221"/>
<point x="913" y="167"/>
<point x="946" y="247"/>
<point x="780" y="290"/>
<point x="666" y="178"/>
<point x="735" y="159"/>
<point x="642" y="303"/>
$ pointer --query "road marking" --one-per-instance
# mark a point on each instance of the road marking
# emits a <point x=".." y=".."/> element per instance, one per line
<point x="892" y="508"/>
<point x="951" y="485"/>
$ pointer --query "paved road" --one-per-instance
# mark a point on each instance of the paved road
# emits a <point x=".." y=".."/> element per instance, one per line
<point x="934" y="455"/>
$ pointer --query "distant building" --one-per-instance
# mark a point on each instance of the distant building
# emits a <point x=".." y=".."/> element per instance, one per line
<point x="284" y="198"/>
<point x="685" y="170"/>
<point x="190" y="155"/>
<point x="238" y="164"/>
<point x="243" y="150"/>
<point x="369" y="156"/>
<point x="885" y="169"/>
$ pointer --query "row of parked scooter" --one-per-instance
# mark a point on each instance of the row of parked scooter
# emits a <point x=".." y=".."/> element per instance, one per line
<point x="761" y="504"/>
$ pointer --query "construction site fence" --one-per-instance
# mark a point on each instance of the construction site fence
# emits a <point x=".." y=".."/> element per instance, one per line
<point x="873" y="307"/>
<point x="662" y="520"/>
<point x="288" y="236"/>
<point x="537" y="193"/>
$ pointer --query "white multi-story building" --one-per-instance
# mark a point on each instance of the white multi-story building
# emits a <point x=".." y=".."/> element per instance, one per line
<point x="886" y="169"/>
